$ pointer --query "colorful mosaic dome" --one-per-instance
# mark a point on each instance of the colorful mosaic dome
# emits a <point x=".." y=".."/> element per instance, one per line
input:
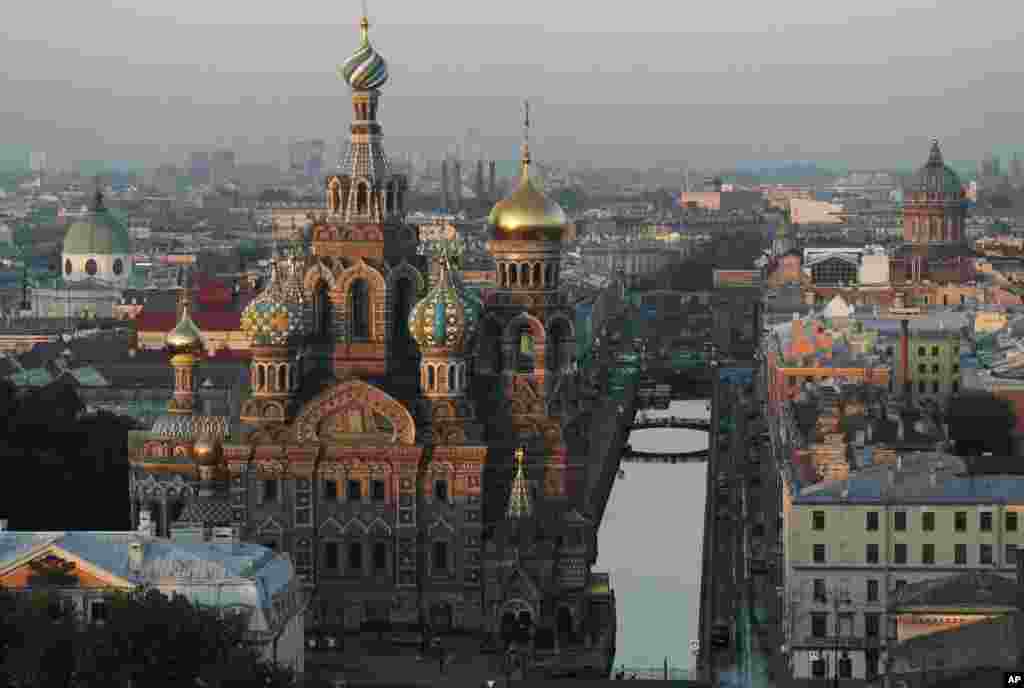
<point x="274" y="317"/>
<point x="447" y="316"/>
<point x="365" y="70"/>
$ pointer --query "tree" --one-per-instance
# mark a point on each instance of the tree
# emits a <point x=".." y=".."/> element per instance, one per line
<point x="148" y="638"/>
<point x="981" y="422"/>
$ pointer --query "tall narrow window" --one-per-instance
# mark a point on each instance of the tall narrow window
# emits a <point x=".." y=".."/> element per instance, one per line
<point x="536" y="275"/>
<point x="360" y="305"/>
<point x="440" y="557"/>
<point x="322" y="311"/>
<point x="380" y="557"/>
<point x="361" y="199"/>
<point x="331" y="556"/>
<point x="355" y="558"/>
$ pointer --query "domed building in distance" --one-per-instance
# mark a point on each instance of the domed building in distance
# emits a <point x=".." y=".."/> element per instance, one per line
<point x="97" y="247"/>
<point x="96" y="268"/>
<point x="934" y="216"/>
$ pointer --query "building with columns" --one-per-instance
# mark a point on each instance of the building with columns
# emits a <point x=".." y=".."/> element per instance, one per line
<point x="385" y="409"/>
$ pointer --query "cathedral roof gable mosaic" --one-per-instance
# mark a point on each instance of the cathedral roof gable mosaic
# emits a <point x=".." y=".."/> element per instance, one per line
<point x="354" y="412"/>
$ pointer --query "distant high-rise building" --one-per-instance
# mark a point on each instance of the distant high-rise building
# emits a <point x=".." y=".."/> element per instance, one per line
<point x="199" y="167"/>
<point x="478" y="186"/>
<point x="990" y="166"/>
<point x="222" y="166"/>
<point x="457" y="184"/>
<point x="37" y="162"/>
<point x="306" y="158"/>
<point x="1016" y="168"/>
<point x="491" y="182"/>
<point x="444" y="185"/>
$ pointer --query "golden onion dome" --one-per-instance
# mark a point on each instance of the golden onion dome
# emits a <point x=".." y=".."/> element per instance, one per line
<point x="186" y="334"/>
<point x="527" y="214"/>
<point x="206" y="451"/>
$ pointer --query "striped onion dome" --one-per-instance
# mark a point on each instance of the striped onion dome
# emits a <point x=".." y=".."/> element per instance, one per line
<point x="447" y="316"/>
<point x="275" y="316"/>
<point x="365" y="70"/>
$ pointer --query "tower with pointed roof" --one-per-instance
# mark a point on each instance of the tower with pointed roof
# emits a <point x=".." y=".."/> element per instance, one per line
<point x="519" y="505"/>
<point x="185" y="344"/>
<point x="527" y="249"/>
<point x="361" y="247"/>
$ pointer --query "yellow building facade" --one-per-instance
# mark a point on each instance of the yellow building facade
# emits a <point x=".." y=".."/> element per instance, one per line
<point x="850" y="545"/>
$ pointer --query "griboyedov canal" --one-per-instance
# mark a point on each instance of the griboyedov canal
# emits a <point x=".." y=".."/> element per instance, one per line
<point x="650" y="542"/>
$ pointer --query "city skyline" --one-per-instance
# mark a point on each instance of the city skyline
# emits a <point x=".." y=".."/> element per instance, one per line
<point x="720" y="87"/>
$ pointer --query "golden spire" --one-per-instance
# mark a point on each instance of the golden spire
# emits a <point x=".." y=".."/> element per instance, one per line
<point x="519" y="497"/>
<point x="364" y="24"/>
<point x="526" y="139"/>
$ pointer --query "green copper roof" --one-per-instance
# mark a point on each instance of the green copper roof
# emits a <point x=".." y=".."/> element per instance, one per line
<point x="101" y="233"/>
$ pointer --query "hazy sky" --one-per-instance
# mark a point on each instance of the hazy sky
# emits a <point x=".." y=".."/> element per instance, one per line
<point x="632" y="83"/>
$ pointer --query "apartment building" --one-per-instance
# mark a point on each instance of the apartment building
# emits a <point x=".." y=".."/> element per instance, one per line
<point x="850" y="546"/>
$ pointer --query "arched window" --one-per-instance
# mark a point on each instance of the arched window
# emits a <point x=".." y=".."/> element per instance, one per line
<point x="359" y="300"/>
<point x="90" y="267"/>
<point x="404" y="295"/>
<point x="502" y="281"/>
<point x="321" y="311"/>
<point x="67" y="267"/>
<point x="361" y="199"/>
<point x="118" y="266"/>
<point x="451" y="379"/>
<point x="524" y="274"/>
<point x="513" y="275"/>
<point x="536" y="275"/>
<point x="261" y="379"/>
<point x="549" y="275"/>
<point x="431" y="380"/>
<point x="282" y="383"/>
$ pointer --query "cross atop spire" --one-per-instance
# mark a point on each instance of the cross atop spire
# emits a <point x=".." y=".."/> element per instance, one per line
<point x="526" y="137"/>
<point x="364" y="24"/>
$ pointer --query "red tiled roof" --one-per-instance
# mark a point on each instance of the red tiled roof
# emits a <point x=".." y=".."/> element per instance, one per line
<point x="210" y="321"/>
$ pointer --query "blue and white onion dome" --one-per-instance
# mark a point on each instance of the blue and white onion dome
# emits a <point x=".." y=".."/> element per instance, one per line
<point x="447" y="316"/>
<point x="272" y="319"/>
<point x="365" y="70"/>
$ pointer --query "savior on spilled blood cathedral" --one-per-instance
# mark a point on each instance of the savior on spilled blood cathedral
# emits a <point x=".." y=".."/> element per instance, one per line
<point x="395" y="439"/>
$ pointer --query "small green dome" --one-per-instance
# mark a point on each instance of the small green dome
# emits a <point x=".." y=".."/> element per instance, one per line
<point x="101" y="233"/>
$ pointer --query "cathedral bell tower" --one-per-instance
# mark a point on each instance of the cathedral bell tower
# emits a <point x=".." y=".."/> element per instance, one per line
<point x="275" y="324"/>
<point x="364" y="190"/>
<point x="527" y="250"/>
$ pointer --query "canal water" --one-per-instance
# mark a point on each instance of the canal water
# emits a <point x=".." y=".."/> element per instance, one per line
<point x="650" y="542"/>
